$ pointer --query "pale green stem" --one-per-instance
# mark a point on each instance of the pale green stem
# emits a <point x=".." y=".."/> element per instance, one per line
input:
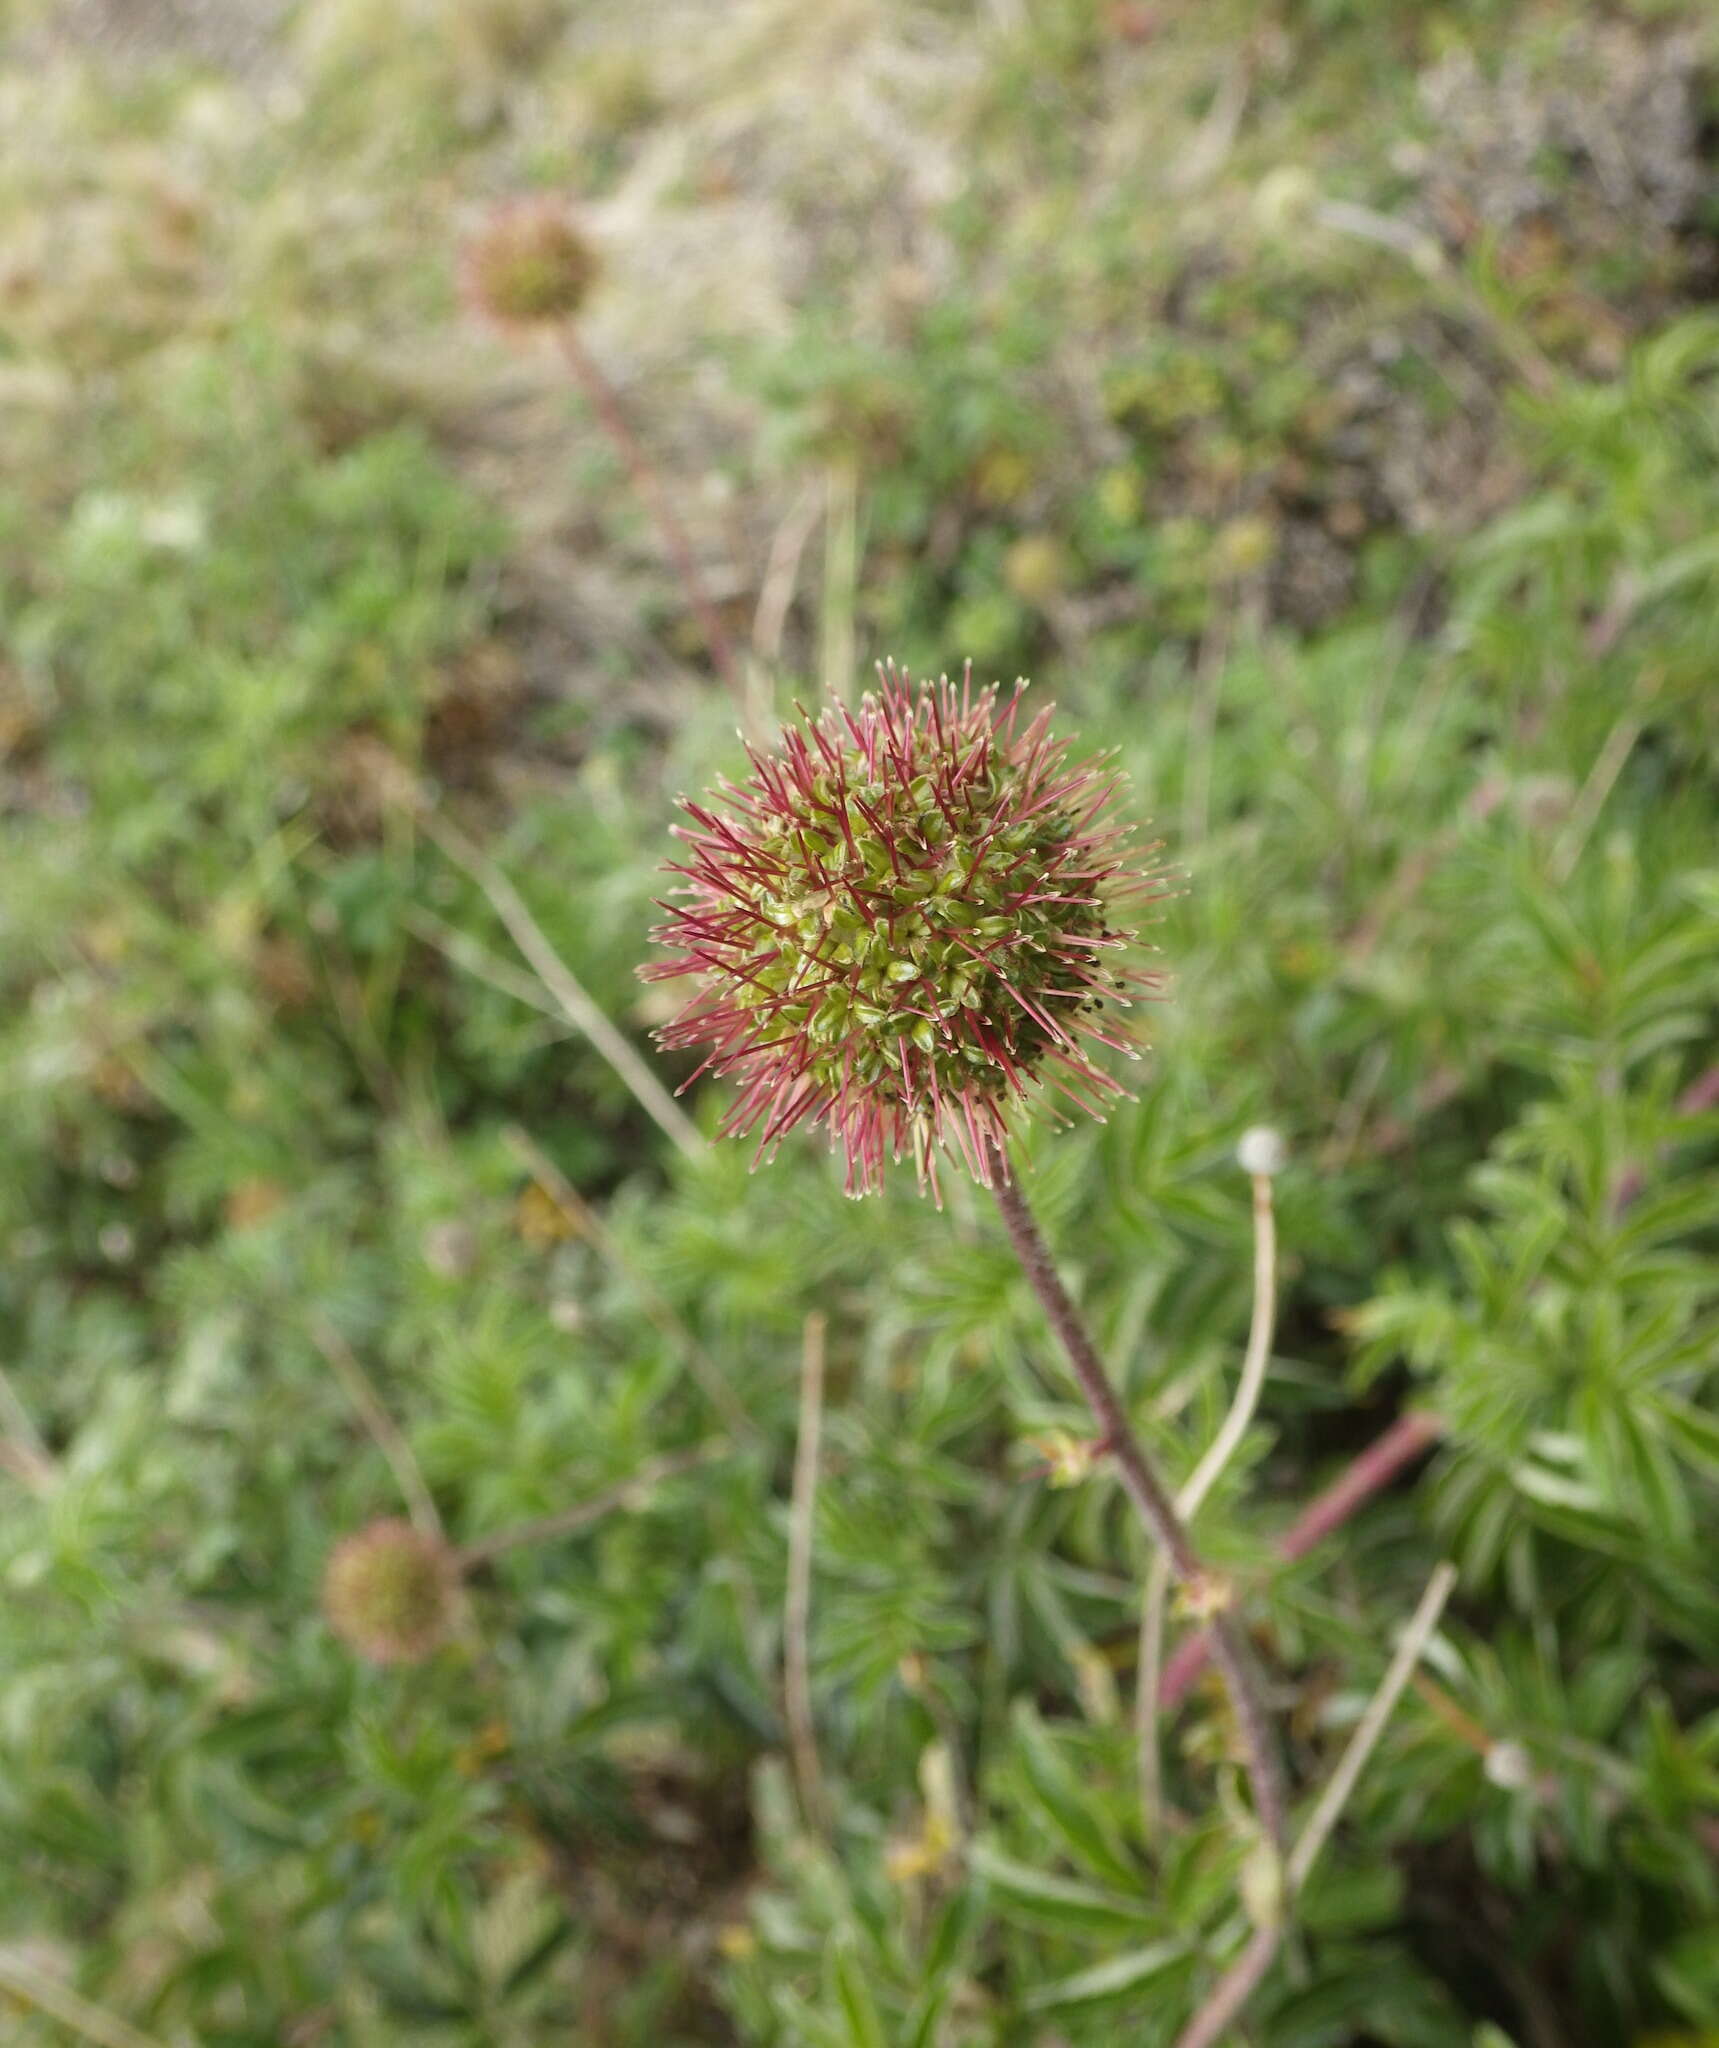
<point x="1205" y="1476"/>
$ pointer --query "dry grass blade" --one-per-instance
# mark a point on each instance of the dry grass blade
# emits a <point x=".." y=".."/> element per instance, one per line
<point x="797" y="1606"/>
<point x="36" y="1990"/>
<point x="580" y="1009"/>
<point x="384" y="1431"/>
<point x="1370" y="1727"/>
<point x="22" y="1451"/>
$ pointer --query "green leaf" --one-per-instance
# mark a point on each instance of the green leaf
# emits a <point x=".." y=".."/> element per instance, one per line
<point x="1348" y="1899"/>
<point x="1694" y="1431"/>
<point x="865" y="2028"/>
<point x="1059" y="1903"/>
<point x="1074" y="1812"/>
<point x="1109" y="1983"/>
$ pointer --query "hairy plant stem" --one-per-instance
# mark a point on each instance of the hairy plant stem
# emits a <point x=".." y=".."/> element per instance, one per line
<point x="1151" y="1498"/>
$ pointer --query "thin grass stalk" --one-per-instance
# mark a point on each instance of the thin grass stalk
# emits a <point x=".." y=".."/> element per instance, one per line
<point x="797" y="1604"/>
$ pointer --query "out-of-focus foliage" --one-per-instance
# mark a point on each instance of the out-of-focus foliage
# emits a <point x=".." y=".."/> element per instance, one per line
<point x="1322" y="402"/>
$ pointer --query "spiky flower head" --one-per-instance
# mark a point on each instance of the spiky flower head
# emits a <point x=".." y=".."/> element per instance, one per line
<point x="907" y="920"/>
<point x="527" y="266"/>
<point x="389" y="1592"/>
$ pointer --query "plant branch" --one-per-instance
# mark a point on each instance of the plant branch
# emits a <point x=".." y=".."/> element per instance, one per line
<point x="611" y="416"/>
<point x="797" y="1605"/>
<point x="1149" y="1495"/>
<point x="628" y="1492"/>
<point x="1407" y="1439"/>
<point x="1233" y="1989"/>
<point x="1231" y="1992"/>
<point x="384" y="1431"/>
<point x="1359" y="1480"/>
<point x="580" y="1009"/>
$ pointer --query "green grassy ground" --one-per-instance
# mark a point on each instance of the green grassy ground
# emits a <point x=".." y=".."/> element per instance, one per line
<point x="1321" y="403"/>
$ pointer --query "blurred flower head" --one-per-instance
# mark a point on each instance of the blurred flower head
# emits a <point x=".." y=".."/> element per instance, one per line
<point x="906" y="920"/>
<point x="389" y="1592"/>
<point x="528" y="265"/>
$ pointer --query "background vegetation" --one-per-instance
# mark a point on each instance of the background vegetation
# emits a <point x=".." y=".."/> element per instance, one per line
<point x="1321" y="402"/>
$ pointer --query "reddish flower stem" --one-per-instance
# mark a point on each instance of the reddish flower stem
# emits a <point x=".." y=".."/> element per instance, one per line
<point x="606" y="404"/>
<point x="1406" y="1439"/>
<point x="1223" y="2006"/>
<point x="1149" y="1495"/>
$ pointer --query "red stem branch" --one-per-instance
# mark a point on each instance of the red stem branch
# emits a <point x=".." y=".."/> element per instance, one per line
<point x="1407" y="1439"/>
<point x="1223" y="2004"/>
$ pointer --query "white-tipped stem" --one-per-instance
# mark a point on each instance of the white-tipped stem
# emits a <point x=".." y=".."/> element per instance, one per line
<point x="1225" y="1444"/>
<point x="797" y="1605"/>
